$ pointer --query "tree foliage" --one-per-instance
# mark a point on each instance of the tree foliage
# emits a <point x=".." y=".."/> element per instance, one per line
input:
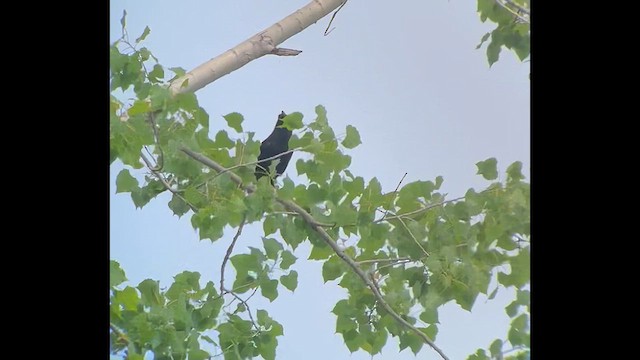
<point x="418" y="248"/>
<point x="512" y="30"/>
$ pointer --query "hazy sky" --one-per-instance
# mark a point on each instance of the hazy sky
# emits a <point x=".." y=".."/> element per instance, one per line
<point x="405" y="74"/>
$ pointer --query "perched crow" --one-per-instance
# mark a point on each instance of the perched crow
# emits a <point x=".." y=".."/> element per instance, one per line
<point x="276" y="143"/>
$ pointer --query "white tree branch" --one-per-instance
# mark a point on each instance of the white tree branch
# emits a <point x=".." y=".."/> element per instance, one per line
<point x="263" y="43"/>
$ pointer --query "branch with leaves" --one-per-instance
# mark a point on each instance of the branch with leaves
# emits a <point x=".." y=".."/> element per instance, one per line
<point x="291" y="206"/>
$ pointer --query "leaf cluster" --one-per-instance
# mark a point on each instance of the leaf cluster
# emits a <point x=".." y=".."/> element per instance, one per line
<point x="421" y="249"/>
<point x="512" y="28"/>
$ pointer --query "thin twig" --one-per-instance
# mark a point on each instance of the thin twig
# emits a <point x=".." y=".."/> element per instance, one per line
<point x="253" y="293"/>
<point x="427" y="207"/>
<point x="166" y="184"/>
<point x="156" y="139"/>
<point x="327" y="31"/>
<point x="394" y="264"/>
<point x="413" y="237"/>
<point x="375" y="261"/>
<point x="296" y="214"/>
<point x="291" y="206"/>
<point x="119" y="333"/>
<point x="243" y="302"/>
<point x="394" y="194"/>
<point x="229" y="251"/>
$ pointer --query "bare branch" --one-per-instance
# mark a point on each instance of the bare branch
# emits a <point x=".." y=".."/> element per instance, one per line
<point x="229" y="251"/>
<point x="394" y="194"/>
<point x="376" y="261"/>
<point x="261" y="44"/>
<point x="327" y="31"/>
<point x="243" y="302"/>
<point x="291" y="206"/>
<point x="285" y="52"/>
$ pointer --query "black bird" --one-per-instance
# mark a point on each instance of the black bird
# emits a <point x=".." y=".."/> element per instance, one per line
<point x="274" y="144"/>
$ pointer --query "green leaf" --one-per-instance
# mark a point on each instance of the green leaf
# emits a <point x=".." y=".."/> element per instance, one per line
<point x="321" y="116"/>
<point x="187" y="102"/>
<point x="320" y="251"/>
<point x="488" y="168"/>
<point x="480" y="354"/>
<point x="271" y="224"/>
<point x="266" y="342"/>
<point x="353" y="340"/>
<point x="344" y="215"/>
<point x="139" y="107"/>
<point x="344" y="308"/>
<point x="371" y="196"/>
<point x="198" y="354"/>
<point x="222" y="140"/>
<point x="184" y="282"/>
<point x="431" y="331"/>
<point x="376" y="340"/>
<point x="352" y="139"/>
<point x="269" y="288"/>
<point x="484" y="38"/>
<point x="332" y="269"/>
<point x="245" y="262"/>
<point x="303" y="142"/>
<point x="125" y="182"/>
<point x="514" y="172"/>
<point x="128" y="298"/>
<point x="272" y="247"/>
<point x="286" y="191"/>
<point x="512" y="309"/>
<point x="290" y="281"/>
<point x="178" y="71"/>
<point x="523" y="297"/>
<point x="345" y="324"/>
<point x="116" y="274"/>
<point x="150" y="293"/>
<point x="291" y="234"/>
<point x="496" y="348"/>
<point x="288" y="259"/>
<point x="192" y="195"/>
<point x="157" y="73"/>
<point x="144" y="34"/>
<point x="439" y="181"/>
<point x="178" y="206"/>
<point x="293" y="121"/>
<point x="411" y="340"/>
<point x="493" y="50"/>
<point x="234" y="120"/>
<point x="354" y="188"/>
<point x="517" y="333"/>
<point x="429" y="315"/>
<point x="271" y="325"/>
<point x="520" y="270"/>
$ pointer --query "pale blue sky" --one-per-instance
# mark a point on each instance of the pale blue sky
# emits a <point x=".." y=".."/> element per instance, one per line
<point x="405" y="74"/>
